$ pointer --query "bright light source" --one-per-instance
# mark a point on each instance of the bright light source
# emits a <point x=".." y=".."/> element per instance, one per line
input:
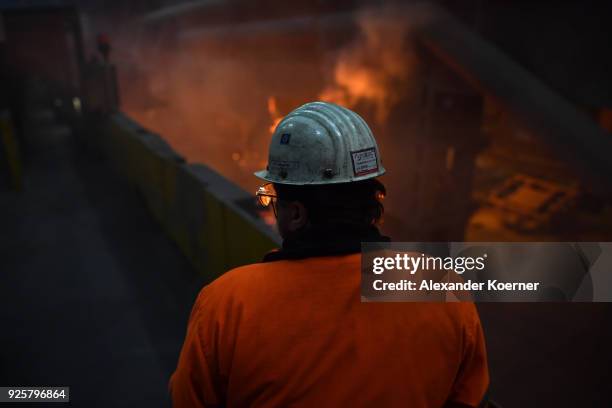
<point x="76" y="103"/>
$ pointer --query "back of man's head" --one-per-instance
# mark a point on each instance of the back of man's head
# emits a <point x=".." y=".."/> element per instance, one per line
<point x="344" y="205"/>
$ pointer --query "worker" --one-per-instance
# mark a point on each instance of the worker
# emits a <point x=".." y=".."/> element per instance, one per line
<point x="292" y="330"/>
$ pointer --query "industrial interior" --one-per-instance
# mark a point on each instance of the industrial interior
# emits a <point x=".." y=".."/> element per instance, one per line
<point x="131" y="131"/>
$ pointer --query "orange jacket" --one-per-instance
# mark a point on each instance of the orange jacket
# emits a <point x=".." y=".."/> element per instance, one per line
<point x="295" y="333"/>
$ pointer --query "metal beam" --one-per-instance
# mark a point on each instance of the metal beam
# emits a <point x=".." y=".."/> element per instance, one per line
<point x="576" y="137"/>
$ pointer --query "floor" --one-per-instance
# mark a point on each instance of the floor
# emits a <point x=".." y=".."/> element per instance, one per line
<point x="93" y="295"/>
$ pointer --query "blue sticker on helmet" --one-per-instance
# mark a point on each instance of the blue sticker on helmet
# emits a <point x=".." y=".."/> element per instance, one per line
<point x="285" y="138"/>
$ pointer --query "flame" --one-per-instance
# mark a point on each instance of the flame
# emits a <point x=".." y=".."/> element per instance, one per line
<point x="275" y="116"/>
<point x="375" y="68"/>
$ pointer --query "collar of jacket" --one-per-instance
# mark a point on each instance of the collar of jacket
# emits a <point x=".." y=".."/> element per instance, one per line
<point x="326" y="241"/>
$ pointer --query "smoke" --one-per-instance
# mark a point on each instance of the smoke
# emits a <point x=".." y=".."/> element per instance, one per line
<point x="210" y="108"/>
<point x="216" y="98"/>
<point x="376" y="68"/>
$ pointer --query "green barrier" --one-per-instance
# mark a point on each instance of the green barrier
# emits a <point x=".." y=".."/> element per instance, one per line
<point x="243" y="237"/>
<point x="11" y="150"/>
<point x="212" y="220"/>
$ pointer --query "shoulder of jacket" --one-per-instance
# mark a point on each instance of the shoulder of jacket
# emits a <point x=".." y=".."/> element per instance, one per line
<point x="471" y="319"/>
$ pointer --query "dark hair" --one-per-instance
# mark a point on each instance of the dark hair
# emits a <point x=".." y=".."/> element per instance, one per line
<point x="357" y="203"/>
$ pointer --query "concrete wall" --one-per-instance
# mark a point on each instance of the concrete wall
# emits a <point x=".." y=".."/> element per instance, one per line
<point x="212" y="220"/>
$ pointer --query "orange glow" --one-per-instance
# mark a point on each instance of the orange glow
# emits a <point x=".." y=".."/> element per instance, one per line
<point x="268" y="217"/>
<point x="375" y="68"/>
<point x="275" y="116"/>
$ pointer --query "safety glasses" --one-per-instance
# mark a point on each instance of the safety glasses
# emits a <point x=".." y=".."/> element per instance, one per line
<point x="267" y="196"/>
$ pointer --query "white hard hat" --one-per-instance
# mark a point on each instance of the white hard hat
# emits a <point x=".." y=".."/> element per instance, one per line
<point x="322" y="143"/>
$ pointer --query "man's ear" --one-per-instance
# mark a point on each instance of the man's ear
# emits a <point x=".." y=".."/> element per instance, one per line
<point x="299" y="216"/>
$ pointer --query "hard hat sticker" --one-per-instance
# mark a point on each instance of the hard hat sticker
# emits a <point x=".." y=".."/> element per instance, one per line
<point x="285" y="137"/>
<point x="364" y="161"/>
